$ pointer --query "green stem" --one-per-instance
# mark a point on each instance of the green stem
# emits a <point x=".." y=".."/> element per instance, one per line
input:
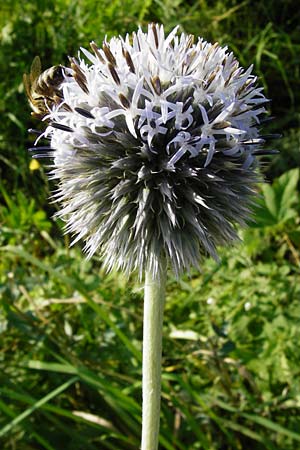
<point x="154" y="299"/>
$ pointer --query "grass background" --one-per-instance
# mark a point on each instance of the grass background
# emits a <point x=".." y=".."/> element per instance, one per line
<point x="70" y="356"/>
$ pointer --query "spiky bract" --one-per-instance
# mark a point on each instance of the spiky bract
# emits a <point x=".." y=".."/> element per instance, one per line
<point x="154" y="149"/>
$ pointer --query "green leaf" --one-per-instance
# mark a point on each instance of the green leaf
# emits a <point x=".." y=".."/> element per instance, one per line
<point x="270" y="199"/>
<point x="277" y="206"/>
<point x="288" y="182"/>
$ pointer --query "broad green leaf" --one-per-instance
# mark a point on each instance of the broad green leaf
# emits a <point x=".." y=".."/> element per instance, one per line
<point x="288" y="182"/>
<point x="270" y="199"/>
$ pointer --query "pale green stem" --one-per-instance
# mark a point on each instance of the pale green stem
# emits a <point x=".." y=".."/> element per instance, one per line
<point x="154" y="299"/>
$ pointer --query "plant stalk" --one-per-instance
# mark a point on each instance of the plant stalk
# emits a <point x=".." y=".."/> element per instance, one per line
<point x="154" y="300"/>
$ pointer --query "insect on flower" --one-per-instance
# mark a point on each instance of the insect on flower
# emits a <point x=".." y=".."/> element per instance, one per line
<point x="156" y="153"/>
<point x="42" y="88"/>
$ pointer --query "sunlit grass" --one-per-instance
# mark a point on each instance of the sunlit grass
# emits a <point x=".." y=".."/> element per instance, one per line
<point x="70" y="360"/>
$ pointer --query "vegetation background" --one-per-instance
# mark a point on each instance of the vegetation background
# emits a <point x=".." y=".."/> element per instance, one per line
<point x="70" y="357"/>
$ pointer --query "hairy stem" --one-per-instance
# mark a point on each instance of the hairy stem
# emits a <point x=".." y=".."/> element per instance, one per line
<point x="154" y="299"/>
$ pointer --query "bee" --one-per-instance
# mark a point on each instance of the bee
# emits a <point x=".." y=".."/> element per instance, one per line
<point x="42" y="88"/>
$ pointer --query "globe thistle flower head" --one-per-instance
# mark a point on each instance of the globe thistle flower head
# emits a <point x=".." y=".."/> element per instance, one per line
<point x="154" y="148"/>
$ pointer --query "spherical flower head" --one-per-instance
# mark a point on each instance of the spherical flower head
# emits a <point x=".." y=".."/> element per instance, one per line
<point x="154" y="148"/>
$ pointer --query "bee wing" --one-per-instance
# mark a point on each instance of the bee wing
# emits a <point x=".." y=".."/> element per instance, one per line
<point x="27" y="84"/>
<point x="36" y="68"/>
<point x="29" y="80"/>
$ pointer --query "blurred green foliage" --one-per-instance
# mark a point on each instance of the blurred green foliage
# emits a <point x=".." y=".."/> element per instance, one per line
<point x="70" y="359"/>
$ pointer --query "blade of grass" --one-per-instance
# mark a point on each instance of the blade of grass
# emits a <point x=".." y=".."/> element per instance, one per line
<point x="42" y="441"/>
<point x="87" y="375"/>
<point x="266" y="423"/>
<point x="18" y="419"/>
<point x="206" y="408"/>
<point x="125" y="407"/>
<point x="9" y="412"/>
<point x="79" y="286"/>
<point x="191" y="420"/>
<point x="249" y="433"/>
<point x="27" y="399"/>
